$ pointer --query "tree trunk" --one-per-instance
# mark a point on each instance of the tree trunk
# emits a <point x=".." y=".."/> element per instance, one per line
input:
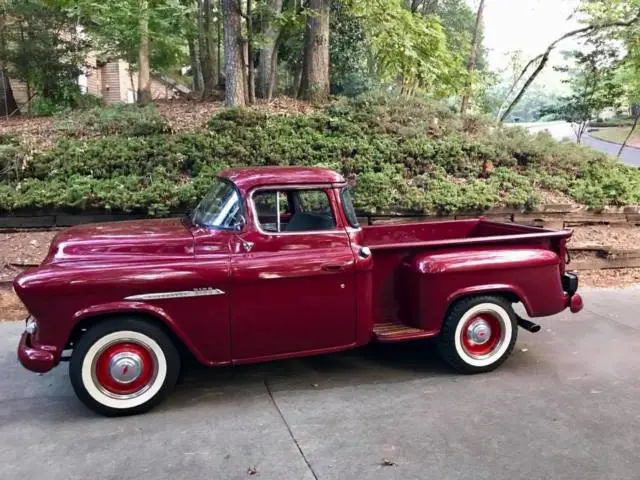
<point x="314" y="84"/>
<point x="8" y="104"/>
<point x="273" y="77"/>
<point x="144" y="74"/>
<point x="579" y="131"/>
<point x="429" y="7"/>
<point x="633" y="129"/>
<point x="234" y="92"/>
<point x="27" y="80"/>
<point x="471" y="66"/>
<point x="29" y="97"/>
<point x="219" y="43"/>
<point x="207" y="41"/>
<point x="196" y="71"/>
<point x="266" y="54"/>
<point x="250" y="70"/>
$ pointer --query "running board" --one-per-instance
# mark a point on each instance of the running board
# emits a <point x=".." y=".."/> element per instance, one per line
<point x="396" y="332"/>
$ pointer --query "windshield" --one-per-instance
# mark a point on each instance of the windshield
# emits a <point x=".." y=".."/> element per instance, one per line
<point x="220" y="208"/>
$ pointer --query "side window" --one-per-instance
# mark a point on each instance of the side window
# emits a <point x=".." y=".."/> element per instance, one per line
<point x="294" y="210"/>
<point x="272" y="209"/>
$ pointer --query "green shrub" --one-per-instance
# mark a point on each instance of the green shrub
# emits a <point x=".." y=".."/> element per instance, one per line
<point x="116" y="119"/>
<point x="404" y="155"/>
<point x="44" y="107"/>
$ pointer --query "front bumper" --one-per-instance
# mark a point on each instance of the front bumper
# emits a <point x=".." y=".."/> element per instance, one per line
<point x="37" y="358"/>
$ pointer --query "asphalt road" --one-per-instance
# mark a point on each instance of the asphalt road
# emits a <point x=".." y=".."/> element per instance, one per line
<point x="560" y="130"/>
<point x="565" y="406"/>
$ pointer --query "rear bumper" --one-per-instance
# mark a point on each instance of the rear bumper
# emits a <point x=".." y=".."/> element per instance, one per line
<point x="570" y="283"/>
<point x="570" y="286"/>
<point x="37" y="358"/>
<point x="574" y="303"/>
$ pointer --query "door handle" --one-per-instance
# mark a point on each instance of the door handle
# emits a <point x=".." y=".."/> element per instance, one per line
<point x="333" y="267"/>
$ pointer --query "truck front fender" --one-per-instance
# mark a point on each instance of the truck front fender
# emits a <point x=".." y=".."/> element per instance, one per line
<point x="83" y="317"/>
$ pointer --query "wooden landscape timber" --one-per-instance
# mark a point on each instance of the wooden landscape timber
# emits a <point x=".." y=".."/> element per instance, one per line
<point x="584" y="256"/>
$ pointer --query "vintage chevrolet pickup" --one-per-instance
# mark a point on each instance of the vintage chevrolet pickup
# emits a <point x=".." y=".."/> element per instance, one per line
<point x="273" y="264"/>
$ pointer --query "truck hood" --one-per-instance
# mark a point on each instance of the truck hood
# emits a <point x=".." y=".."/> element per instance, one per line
<point x="124" y="240"/>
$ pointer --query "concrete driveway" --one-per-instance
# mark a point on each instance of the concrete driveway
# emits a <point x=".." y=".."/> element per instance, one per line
<point x="565" y="406"/>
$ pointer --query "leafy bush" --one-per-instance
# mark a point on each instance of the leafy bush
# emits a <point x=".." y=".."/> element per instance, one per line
<point x="117" y="119"/>
<point x="612" y="122"/>
<point x="405" y="156"/>
<point x="45" y="107"/>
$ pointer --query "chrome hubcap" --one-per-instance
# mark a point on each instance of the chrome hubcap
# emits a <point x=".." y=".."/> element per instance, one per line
<point x="479" y="332"/>
<point x="125" y="367"/>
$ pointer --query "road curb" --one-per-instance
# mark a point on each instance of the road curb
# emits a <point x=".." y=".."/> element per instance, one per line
<point x="613" y="143"/>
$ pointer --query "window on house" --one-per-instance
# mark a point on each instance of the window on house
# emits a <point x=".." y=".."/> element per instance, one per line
<point x="293" y="210"/>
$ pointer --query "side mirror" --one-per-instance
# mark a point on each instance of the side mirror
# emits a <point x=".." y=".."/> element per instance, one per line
<point x="240" y="223"/>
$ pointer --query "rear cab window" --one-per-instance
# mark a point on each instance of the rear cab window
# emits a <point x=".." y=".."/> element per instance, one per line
<point x="349" y="210"/>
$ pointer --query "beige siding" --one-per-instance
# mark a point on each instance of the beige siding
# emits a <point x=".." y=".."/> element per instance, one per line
<point x="127" y="87"/>
<point x="94" y="75"/>
<point x="128" y="84"/>
<point x="94" y="81"/>
<point x="111" y="82"/>
<point x="19" y="92"/>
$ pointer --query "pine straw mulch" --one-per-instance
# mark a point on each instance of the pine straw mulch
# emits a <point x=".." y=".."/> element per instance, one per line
<point x="189" y="115"/>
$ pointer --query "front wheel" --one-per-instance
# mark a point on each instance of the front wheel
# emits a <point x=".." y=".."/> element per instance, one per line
<point x="478" y="334"/>
<point x="123" y="366"/>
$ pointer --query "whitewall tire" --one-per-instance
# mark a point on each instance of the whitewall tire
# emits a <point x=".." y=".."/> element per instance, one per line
<point x="123" y="366"/>
<point x="478" y="334"/>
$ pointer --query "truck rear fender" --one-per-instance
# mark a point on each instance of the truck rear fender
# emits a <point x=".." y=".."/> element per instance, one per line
<point x="434" y="279"/>
<point x="511" y="292"/>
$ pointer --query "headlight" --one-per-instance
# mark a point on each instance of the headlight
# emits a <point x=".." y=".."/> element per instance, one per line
<point x="31" y="326"/>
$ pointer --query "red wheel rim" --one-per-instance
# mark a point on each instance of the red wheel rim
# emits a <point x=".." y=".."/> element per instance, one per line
<point x="481" y="334"/>
<point x="124" y="368"/>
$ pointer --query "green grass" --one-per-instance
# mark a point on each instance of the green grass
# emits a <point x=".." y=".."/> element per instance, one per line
<point x="617" y="135"/>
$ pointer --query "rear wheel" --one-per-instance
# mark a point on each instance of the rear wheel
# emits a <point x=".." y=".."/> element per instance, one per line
<point x="478" y="334"/>
<point x="123" y="366"/>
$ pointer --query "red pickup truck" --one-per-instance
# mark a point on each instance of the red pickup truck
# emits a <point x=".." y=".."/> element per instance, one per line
<point x="273" y="264"/>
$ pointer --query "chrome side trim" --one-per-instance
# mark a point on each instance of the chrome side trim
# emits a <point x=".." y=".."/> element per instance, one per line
<point x="198" y="292"/>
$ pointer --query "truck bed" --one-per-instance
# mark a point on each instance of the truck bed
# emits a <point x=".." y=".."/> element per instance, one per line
<point x="479" y="245"/>
<point x="452" y="233"/>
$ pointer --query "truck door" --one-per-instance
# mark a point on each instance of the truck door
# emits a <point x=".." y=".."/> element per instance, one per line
<point x="293" y="276"/>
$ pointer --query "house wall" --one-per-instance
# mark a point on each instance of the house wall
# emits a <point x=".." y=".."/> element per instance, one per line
<point x="93" y="74"/>
<point x="19" y="91"/>
<point x="110" y="82"/>
<point x="127" y="84"/>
